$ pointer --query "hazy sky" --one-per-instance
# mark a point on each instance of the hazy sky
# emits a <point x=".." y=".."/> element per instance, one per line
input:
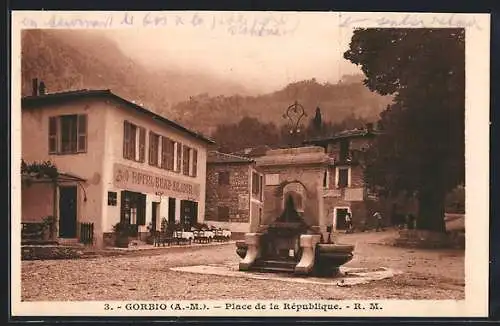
<point x="310" y="45"/>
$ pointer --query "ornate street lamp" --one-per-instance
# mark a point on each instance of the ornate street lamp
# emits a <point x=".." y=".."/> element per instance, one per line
<point x="294" y="113"/>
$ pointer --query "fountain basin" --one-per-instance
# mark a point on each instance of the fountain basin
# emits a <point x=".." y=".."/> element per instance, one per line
<point x="330" y="256"/>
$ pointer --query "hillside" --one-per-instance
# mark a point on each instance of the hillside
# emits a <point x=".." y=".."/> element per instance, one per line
<point x="67" y="60"/>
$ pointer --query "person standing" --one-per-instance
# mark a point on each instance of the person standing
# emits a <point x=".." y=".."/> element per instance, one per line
<point x="348" y="222"/>
<point x="378" y="218"/>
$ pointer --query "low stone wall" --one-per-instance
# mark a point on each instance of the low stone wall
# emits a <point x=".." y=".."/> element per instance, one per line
<point x="430" y="240"/>
<point x="49" y="252"/>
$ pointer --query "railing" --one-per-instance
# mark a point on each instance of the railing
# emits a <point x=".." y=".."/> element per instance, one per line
<point x="87" y="233"/>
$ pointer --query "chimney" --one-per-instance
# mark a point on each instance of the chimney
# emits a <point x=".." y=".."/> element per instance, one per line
<point x="369" y="127"/>
<point x="41" y="88"/>
<point x="35" y="87"/>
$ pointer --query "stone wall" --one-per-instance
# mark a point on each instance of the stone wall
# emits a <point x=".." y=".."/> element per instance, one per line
<point x="236" y="195"/>
<point x="49" y="252"/>
<point x="310" y="176"/>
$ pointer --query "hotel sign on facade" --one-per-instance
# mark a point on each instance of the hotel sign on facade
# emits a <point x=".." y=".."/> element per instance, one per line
<point x="139" y="180"/>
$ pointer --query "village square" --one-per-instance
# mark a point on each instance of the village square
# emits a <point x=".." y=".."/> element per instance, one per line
<point x="352" y="189"/>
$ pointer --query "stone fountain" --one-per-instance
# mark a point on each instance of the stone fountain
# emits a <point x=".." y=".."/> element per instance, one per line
<point x="293" y="235"/>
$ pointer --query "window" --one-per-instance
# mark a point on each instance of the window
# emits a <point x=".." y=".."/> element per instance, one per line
<point x="223" y="178"/>
<point x="326" y="179"/>
<point x="178" y="157"/>
<point x="344" y="150"/>
<point x="68" y="134"/>
<point x="167" y="154"/>
<point x="134" y="142"/>
<point x="154" y="143"/>
<point x="256" y="184"/>
<point x="185" y="160"/>
<point x="343" y="177"/>
<point x="194" y="172"/>
<point x="223" y="213"/>
<point x="111" y="198"/>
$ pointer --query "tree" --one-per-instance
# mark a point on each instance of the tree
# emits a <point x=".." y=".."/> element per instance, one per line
<point x="421" y="150"/>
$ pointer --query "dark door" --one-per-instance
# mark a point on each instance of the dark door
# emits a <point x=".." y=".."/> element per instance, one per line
<point x="340" y="218"/>
<point x="171" y="210"/>
<point x="67" y="212"/>
<point x="154" y="215"/>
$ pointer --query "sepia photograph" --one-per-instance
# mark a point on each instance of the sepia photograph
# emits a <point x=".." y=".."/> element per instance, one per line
<point x="267" y="162"/>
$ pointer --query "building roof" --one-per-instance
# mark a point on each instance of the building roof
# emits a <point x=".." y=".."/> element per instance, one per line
<point x="254" y="151"/>
<point x="49" y="98"/>
<point x="353" y="133"/>
<point x="215" y="157"/>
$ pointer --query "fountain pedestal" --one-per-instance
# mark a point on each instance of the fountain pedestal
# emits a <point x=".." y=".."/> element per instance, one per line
<point x="290" y="239"/>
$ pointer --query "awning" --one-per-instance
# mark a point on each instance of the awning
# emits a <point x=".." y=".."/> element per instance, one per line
<point x="61" y="178"/>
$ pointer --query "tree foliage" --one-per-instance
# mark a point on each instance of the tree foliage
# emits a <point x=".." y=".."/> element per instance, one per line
<point x="251" y="132"/>
<point x="422" y="148"/>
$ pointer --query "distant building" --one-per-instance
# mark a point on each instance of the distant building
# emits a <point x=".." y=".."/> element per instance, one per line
<point x="234" y="197"/>
<point x="126" y="164"/>
<point x="343" y="184"/>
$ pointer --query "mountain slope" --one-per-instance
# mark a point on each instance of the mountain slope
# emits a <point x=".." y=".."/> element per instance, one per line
<point x="66" y="60"/>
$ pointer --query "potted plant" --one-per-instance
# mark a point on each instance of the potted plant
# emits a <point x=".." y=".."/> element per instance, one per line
<point x="151" y="235"/>
<point x="121" y="231"/>
<point x="48" y="225"/>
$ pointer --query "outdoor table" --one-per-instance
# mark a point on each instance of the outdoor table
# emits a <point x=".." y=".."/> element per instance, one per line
<point x="187" y="235"/>
<point x="209" y="234"/>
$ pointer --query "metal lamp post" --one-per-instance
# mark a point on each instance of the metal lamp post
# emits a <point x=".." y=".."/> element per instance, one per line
<point x="294" y="113"/>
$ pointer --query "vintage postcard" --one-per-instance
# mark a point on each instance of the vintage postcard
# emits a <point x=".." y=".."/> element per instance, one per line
<point x="249" y="164"/>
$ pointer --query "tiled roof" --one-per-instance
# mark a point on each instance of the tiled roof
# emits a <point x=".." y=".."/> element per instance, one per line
<point x="215" y="157"/>
<point x="33" y="101"/>
<point x="254" y="151"/>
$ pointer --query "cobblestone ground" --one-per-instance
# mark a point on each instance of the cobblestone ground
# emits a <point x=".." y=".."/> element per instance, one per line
<point x="436" y="274"/>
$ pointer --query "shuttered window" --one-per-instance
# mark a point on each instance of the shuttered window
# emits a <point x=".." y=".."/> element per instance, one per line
<point x="68" y="134"/>
<point x="134" y="142"/>
<point x="178" y="156"/>
<point x="142" y="145"/>
<point x="167" y="154"/>
<point x="154" y="141"/>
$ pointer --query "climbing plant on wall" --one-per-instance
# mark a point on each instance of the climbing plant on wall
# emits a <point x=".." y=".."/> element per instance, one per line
<point x="39" y="170"/>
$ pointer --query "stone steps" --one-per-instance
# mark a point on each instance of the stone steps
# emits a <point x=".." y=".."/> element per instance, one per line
<point x="274" y="266"/>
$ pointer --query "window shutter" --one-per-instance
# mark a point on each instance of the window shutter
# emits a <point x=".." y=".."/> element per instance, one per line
<point x="185" y="160"/>
<point x="195" y="162"/>
<point x="170" y="155"/>
<point x="82" y="133"/>
<point x="179" y="157"/>
<point x="53" y="135"/>
<point x="151" y="144"/>
<point x="142" y="144"/>
<point x="163" y="152"/>
<point x="126" y="139"/>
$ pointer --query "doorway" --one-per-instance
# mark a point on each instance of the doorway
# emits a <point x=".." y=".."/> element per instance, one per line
<point x="67" y="211"/>
<point x="133" y="210"/>
<point x="340" y="213"/>
<point x="154" y="215"/>
<point x="171" y="211"/>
